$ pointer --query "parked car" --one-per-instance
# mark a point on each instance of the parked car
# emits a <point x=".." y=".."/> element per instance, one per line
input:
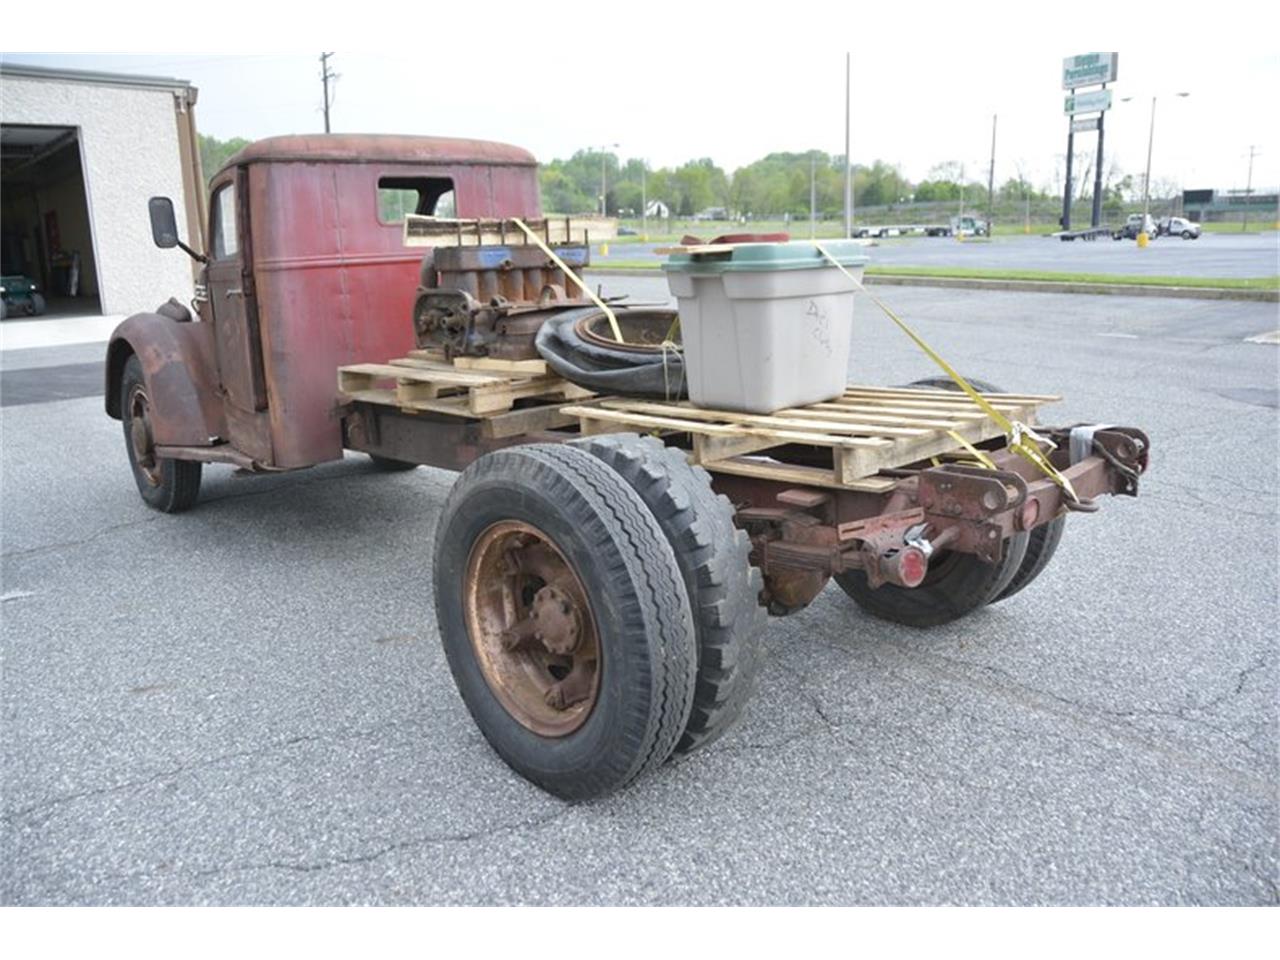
<point x="1136" y="224"/>
<point x="20" y="294"/>
<point x="1178" y="227"/>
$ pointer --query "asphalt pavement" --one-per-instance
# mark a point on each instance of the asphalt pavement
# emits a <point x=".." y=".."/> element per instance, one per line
<point x="1219" y="255"/>
<point x="248" y="704"/>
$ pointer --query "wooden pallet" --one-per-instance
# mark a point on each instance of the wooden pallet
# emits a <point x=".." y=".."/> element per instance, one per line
<point x="868" y="429"/>
<point x="488" y="390"/>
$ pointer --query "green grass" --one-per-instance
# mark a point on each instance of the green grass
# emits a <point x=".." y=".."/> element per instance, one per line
<point x="831" y="229"/>
<point x="1233" y="226"/>
<point x="1044" y="276"/>
<point x="969" y="273"/>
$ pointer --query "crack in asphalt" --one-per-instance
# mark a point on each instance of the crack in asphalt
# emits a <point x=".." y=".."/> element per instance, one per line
<point x="1081" y="712"/>
<point x="49" y="803"/>
<point x="280" y="487"/>
<point x="382" y="851"/>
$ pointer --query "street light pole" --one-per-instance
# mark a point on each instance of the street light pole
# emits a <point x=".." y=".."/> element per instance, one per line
<point x="848" y="160"/>
<point x="1146" y="179"/>
<point x="604" y="192"/>
<point x="1151" y="137"/>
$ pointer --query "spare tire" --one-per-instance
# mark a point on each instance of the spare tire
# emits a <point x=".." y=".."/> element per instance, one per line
<point x="579" y="346"/>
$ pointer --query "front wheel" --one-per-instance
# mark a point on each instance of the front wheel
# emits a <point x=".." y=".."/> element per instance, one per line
<point x="564" y="619"/>
<point x="1186" y="234"/>
<point x="169" y="486"/>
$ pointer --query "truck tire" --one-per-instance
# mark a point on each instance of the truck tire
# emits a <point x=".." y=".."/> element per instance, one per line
<point x="388" y="465"/>
<point x="37" y="305"/>
<point x="956" y="585"/>
<point x="1042" y="544"/>
<point x="170" y="486"/>
<point x="564" y="619"/>
<point x="1043" y="540"/>
<point x="712" y="554"/>
<point x="946" y="383"/>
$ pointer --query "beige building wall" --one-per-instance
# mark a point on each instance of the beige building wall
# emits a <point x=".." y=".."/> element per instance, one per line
<point x="129" y="152"/>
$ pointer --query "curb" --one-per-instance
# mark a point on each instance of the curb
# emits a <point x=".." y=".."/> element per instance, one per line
<point x="1025" y="286"/>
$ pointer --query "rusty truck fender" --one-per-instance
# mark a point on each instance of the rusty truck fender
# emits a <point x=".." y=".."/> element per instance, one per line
<point x="179" y="368"/>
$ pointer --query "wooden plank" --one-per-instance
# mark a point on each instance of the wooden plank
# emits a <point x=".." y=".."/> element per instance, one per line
<point x="515" y="423"/>
<point x="938" y="406"/>
<point x="698" y="248"/>
<point x="501" y="396"/>
<point x="945" y="394"/>
<point x="798" y="475"/>
<point x="708" y="449"/>
<point x="954" y="413"/>
<point x="674" y="423"/>
<point x="422" y="231"/>
<point x="522" y="367"/>
<point x="835" y="414"/>
<point x="426" y="371"/>
<point x="767" y="420"/>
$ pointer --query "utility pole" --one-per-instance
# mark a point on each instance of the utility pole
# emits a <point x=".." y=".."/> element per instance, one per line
<point x="848" y="160"/>
<point x="1248" y="187"/>
<point x="813" y="195"/>
<point x="325" y="76"/>
<point x="644" y="203"/>
<point x="991" y="178"/>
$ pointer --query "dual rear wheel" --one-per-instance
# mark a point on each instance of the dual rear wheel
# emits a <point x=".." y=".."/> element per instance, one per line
<point x="957" y="584"/>
<point x="597" y="609"/>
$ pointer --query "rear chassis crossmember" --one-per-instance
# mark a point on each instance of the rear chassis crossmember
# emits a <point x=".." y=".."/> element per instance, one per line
<point x="801" y="535"/>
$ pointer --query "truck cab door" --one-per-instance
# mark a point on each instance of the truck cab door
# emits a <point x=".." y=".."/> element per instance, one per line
<point x="237" y="336"/>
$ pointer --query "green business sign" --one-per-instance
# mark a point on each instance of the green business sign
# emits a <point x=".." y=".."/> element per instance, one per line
<point x="1089" y="69"/>
<point x="1091" y="101"/>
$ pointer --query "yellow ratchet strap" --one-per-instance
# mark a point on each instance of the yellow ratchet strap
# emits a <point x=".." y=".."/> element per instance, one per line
<point x="977" y="454"/>
<point x="1022" y="439"/>
<point x="613" y="320"/>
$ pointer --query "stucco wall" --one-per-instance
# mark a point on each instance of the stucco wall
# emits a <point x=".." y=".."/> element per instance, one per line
<point x="129" y="152"/>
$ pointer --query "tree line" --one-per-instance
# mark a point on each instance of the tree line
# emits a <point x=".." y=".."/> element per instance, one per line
<point x="780" y="184"/>
<point x="777" y="185"/>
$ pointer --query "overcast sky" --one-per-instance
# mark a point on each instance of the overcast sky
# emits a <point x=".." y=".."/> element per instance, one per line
<point x="729" y="82"/>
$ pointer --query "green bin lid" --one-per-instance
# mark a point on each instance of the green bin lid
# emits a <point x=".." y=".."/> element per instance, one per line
<point x="763" y="257"/>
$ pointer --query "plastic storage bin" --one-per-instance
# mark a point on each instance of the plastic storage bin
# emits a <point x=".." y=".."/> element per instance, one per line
<point x="766" y="326"/>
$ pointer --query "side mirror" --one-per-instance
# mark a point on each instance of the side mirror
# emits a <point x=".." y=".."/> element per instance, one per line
<point x="164" y="227"/>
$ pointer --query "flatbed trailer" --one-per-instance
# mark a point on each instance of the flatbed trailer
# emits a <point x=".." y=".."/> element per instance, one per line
<point x="604" y="566"/>
<point x="1089" y="233"/>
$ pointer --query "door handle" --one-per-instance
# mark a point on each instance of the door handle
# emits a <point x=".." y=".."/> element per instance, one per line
<point x="234" y="292"/>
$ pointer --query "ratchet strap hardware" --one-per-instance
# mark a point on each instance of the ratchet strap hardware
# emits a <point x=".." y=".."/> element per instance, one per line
<point x="1022" y="439"/>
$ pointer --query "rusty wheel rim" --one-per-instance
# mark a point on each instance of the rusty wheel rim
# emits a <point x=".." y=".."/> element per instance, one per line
<point x="532" y="629"/>
<point x="140" y="437"/>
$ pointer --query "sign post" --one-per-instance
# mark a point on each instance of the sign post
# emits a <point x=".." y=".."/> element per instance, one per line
<point x="1086" y="70"/>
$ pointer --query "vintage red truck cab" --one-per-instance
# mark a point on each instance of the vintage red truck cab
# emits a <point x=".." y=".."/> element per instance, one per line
<point x="305" y="271"/>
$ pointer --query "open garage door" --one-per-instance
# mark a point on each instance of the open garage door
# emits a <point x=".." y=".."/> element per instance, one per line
<point x="46" y="234"/>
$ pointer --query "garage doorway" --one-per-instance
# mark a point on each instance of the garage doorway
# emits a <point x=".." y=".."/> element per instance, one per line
<point x="46" y="233"/>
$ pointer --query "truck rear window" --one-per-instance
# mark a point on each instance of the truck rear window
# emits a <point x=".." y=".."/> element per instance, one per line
<point x="428" y="196"/>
